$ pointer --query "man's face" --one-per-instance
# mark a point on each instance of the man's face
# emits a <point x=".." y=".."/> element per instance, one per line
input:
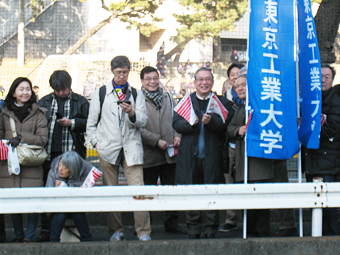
<point x="62" y="93"/>
<point x="204" y="83"/>
<point x="233" y="75"/>
<point x="241" y="87"/>
<point x="121" y="75"/>
<point x="151" y="81"/>
<point x="327" y="78"/>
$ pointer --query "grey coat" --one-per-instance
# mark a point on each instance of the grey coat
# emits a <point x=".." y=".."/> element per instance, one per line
<point x="53" y="174"/>
<point x="158" y="127"/>
<point x="259" y="169"/>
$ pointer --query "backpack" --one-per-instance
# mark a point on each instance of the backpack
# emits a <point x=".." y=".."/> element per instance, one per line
<point x="102" y="93"/>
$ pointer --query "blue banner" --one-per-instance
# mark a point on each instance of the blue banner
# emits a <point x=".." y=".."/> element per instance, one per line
<point x="310" y="78"/>
<point x="272" y="132"/>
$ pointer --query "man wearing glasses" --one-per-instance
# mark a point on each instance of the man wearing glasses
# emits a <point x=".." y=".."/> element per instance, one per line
<point x="113" y="127"/>
<point x="160" y="140"/>
<point x="200" y="153"/>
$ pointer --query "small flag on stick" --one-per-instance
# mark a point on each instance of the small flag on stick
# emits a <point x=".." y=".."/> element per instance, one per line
<point x="215" y="106"/>
<point x="184" y="108"/>
<point x="323" y="118"/>
<point x="249" y="118"/>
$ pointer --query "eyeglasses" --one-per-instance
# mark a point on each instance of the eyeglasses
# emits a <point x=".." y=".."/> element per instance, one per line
<point x="209" y="79"/>
<point x="125" y="72"/>
<point x="149" y="79"/>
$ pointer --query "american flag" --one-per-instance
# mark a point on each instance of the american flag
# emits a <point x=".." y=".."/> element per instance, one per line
<point x="323" y="118"/>
<point x="249" y="118"/>
<point x="215" y="106"/>
<point x="184" y="108"/>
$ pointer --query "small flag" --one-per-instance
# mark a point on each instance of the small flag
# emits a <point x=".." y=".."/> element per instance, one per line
<point x="249" y="118"/>
<point x="92" y="177"/>
<point x="215" y="106"/>
<point x="184" y="108"/>
<point x="323" y="118"/>
<point x="3" y="151"/>
<point x="120" y="94"/>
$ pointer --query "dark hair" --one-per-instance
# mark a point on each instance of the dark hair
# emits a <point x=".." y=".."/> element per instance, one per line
<point x="146" y="70"/>
<point x="204" y="69"/>
<point x="11" y="99"/>
<point x="232" y="66"/>
<point x="328" y="66"/>
<point x="120" y="62"/>
<point x="35" y="87"/>
<point x="60" y="80"/>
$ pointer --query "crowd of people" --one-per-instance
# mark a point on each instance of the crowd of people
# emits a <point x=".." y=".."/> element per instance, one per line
<point x="139" y="131"/>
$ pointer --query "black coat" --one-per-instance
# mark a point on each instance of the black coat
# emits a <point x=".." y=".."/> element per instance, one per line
<point x="326" y="159"/>
<point x="79" y="111"/>
<point x="213" y="138"/>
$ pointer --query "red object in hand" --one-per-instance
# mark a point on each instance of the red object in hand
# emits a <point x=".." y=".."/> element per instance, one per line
<point x="249" y="118"/>
<point x="323" y="118"/>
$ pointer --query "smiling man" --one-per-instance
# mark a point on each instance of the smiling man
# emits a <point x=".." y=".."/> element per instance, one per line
<point x="117" y="112"/>
<point x="200" y="157"/>
<point x="158" y="135"/>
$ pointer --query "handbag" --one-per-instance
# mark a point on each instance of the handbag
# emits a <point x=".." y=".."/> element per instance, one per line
<point x="29" y="155"/>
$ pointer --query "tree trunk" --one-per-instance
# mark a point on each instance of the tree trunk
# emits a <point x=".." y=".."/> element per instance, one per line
<point x="217" y="55"/>
<point x="91" y="32"/>
<point x="327" y="23"/>
<point x="178" y="49"/>
<point x="21" y="34"/>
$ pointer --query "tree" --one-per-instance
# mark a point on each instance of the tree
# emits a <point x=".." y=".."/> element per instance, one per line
<point x="130" y="12"/>
<point x="205" y="19"/>
<point x="327" y="23"/>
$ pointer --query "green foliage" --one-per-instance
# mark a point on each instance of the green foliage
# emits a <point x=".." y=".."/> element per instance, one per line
<point x="37" y="7"/>
<point x="206" y="18"/>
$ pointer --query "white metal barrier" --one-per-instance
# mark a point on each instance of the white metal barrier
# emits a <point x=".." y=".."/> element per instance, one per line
<point x="169" y="198"/>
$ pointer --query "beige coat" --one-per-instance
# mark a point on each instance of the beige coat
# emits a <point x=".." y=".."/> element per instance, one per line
<point x="158" y="127"/>
<point x="33" y="130"/>
<point x="115" y="131"/>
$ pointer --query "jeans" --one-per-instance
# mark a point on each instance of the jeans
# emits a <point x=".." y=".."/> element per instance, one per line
<point x="330" y="216"/>
<point x="58" y="222"/>
<point x="32" y="219"/>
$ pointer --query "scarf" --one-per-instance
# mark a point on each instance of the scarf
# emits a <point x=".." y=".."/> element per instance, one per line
<point x="155" y="97"/>
<point x="21" y="111"/>
<point x="236" y="99"/>
<point x="120" y="90"/>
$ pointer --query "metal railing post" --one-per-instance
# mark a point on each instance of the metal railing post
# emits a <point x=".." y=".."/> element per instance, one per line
<point x="316" y="222"/>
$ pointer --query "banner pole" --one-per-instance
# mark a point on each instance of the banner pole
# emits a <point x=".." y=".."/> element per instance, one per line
<point x="297" y="51"/>
<point x="245" y="138"/>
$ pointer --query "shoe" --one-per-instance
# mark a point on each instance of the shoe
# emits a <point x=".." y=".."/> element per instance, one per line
<point x="287" y="232"/>
<point x="194" y="236"/>
<point x="145" y="238"/>
<point x="227" y="228"/>
<point x="18" y="240"/>
<point x="176" y="230"/>
<point x="43" y="237"/>
<point x="209" y="236"/>
<point x="117" y="237"/>
<point x="26" y="240"/>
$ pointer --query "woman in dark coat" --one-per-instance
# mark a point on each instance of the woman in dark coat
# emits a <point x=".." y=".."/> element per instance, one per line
<point x="31" y="128"/>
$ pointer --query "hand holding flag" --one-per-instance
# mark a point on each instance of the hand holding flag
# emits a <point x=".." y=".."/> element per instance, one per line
<point x="215" y="106"/>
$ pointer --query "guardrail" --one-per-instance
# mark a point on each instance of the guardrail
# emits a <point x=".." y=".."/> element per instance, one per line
<point x="168" y="198"/>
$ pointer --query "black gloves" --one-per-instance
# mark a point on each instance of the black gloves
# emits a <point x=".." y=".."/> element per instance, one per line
<point x="15" y="141"/>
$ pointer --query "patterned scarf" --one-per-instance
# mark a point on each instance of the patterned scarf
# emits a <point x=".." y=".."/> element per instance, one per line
<point x="67" y="142"/>
<point x="155" y="97"/>
<point x="120" y="90"/>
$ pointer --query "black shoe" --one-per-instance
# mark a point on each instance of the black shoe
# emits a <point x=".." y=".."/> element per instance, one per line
<point x="209" y="236"/>
<point x="194" y="236"/>
<point x="176" y="230"/>
<point x="287" y="232"/>
<point x="18" y="240"/>
<point x="227" y="228"/>
<point x="43" y="237"/>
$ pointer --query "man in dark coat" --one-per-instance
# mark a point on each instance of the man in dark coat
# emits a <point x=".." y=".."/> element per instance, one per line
<point x="324" y="162"/>
<point x="199" y="159"/>
<point x="66" y="115"/>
